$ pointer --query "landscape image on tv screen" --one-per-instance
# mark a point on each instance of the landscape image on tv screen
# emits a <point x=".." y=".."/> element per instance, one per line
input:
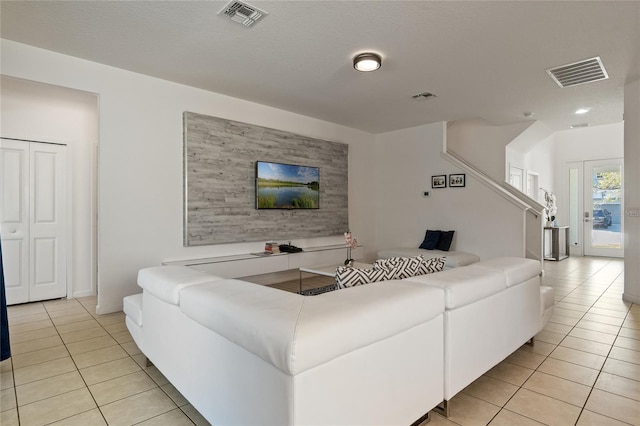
<point x="286" y="186"/>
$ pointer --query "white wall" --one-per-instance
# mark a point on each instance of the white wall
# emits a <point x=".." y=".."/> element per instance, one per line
<point x="483" y="144"/>
<point x="632" y="191"/>
<point x="533" y="151"/>
<point x="140" y="162"/>
<point x="40" y="112"/>
<point x="485" y="223"/>
<point x="541" y="159"/>
<point x="583" y="144"/>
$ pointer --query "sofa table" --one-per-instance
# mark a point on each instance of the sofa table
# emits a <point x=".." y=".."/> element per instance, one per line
<point x="556" y="243"/>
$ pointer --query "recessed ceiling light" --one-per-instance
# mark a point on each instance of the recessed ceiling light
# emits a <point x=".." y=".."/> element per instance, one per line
<point x="367" y="62"/>
<point x="583" y="111"/>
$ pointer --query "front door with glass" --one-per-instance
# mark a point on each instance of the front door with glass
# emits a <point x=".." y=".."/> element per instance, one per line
<point x="603" y="220"/>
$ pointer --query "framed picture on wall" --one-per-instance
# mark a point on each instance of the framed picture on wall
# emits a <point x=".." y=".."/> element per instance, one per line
<point x="457" y="181"/>
<point x="439" y="181"/>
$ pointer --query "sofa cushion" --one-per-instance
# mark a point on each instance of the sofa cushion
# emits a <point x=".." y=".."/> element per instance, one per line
<point x="351" y="277"/>
<point x="166" y="282"/>
<point x="463" y="286"/>
<point x="132" y="307"/>
<point x="516" y="269"/>
<point x="444" y="243"/>
<point x="406" y="267"/>
<point x="431" y="239"/>
<point x="454" y="258"/>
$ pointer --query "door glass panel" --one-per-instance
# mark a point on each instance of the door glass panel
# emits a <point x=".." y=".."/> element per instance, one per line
<point x="606" y="200"/>
<point x="575" y="217"/>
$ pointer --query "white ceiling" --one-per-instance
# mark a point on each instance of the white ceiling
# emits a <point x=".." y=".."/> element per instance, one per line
<point x="484" y="59"/>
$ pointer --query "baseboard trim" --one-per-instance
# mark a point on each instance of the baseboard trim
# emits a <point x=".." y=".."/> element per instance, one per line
<point x="83" y="293"/>
<point x="108" y="309"/>
<point x="629" y="298"/>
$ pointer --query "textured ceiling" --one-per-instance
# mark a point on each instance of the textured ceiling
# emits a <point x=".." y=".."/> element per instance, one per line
<point x="483" y="59"/>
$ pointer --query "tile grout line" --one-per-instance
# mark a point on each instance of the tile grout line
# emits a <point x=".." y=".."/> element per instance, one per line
<point x="556" y="346"/>
<point x="76" y="365"/>
<point x="144" y="370"/>
<point x="582" y="409"/>
<point x="600" y="372"/>
<point x="503" y="407"/>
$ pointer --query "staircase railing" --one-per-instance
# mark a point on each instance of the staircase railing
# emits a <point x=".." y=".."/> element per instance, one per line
<point x="532" y="209"/>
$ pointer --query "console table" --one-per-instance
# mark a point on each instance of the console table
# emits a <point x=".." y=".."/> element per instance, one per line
<point x="556" y="243"/>
<point x="247" y="264"/>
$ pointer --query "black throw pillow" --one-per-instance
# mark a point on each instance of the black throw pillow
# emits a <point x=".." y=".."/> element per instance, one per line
<point x="445" y="240"/>
<point x="431" y="239"/>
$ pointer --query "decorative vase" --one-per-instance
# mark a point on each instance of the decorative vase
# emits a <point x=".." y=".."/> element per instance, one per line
<point x="349" y="260"/>
<point x="549" y="224"/>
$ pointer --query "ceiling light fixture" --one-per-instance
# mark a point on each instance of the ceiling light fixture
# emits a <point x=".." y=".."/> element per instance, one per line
<point x="582" y="111"/>
<point x="424" y="95"/>
<point x="367" y="62"/>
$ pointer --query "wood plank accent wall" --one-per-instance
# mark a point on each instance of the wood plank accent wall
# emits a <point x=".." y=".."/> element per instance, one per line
<point x="219" y="183"/>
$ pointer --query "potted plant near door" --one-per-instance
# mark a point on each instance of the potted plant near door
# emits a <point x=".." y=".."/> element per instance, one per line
<point x="550" y="209"/>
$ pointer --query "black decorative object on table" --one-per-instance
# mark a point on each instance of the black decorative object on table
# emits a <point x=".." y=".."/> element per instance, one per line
<point x="288" y="248"/>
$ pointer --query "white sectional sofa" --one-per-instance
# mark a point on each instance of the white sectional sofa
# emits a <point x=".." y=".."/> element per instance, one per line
<point x="382" y="353"/>
<point x="245" y="354"/>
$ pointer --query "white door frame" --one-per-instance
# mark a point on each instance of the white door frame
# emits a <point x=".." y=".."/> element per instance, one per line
<point x="516" y="173"/>
<point x="532" y="184"/>
<point x="575" y="222"/>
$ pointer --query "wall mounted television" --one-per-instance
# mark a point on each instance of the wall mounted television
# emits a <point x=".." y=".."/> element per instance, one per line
<point x="287" y="186"/>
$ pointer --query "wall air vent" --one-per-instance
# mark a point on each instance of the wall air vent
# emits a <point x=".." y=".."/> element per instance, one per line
<point x="582" y="72"/>
<point x="424" y="95"/>
<point x="242" y="13"/>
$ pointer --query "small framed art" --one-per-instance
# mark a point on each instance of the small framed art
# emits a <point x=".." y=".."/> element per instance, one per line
<point x="457" y="181"/>
<point x="439" y="181"/>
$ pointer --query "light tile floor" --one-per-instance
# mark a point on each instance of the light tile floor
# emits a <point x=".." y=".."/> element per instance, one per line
<point x="73" y="367"/>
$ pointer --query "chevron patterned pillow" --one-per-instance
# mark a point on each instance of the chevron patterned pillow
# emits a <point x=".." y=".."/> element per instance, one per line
<point x="351" y="277"/>
<point x="406" y="267"/>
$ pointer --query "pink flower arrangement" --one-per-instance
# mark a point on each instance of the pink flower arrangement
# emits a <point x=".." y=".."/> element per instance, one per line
<point x="349" y="240"/>
<point x="351" y="244"/>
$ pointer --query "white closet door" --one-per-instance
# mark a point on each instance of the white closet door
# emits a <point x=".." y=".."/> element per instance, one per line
<point x="33" y="220"/>
<point x="48" y="275"/>
<point x="14" y="218"/>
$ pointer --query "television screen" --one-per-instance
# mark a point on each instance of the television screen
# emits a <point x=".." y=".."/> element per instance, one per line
<point x="286" y="186"/>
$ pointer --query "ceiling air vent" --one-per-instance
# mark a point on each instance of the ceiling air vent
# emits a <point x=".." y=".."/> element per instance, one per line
<point x="242" y="13"/>
<point x="582" y="72"/>
<point x="578" y="126"/>
<point x="424" y="95"/>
